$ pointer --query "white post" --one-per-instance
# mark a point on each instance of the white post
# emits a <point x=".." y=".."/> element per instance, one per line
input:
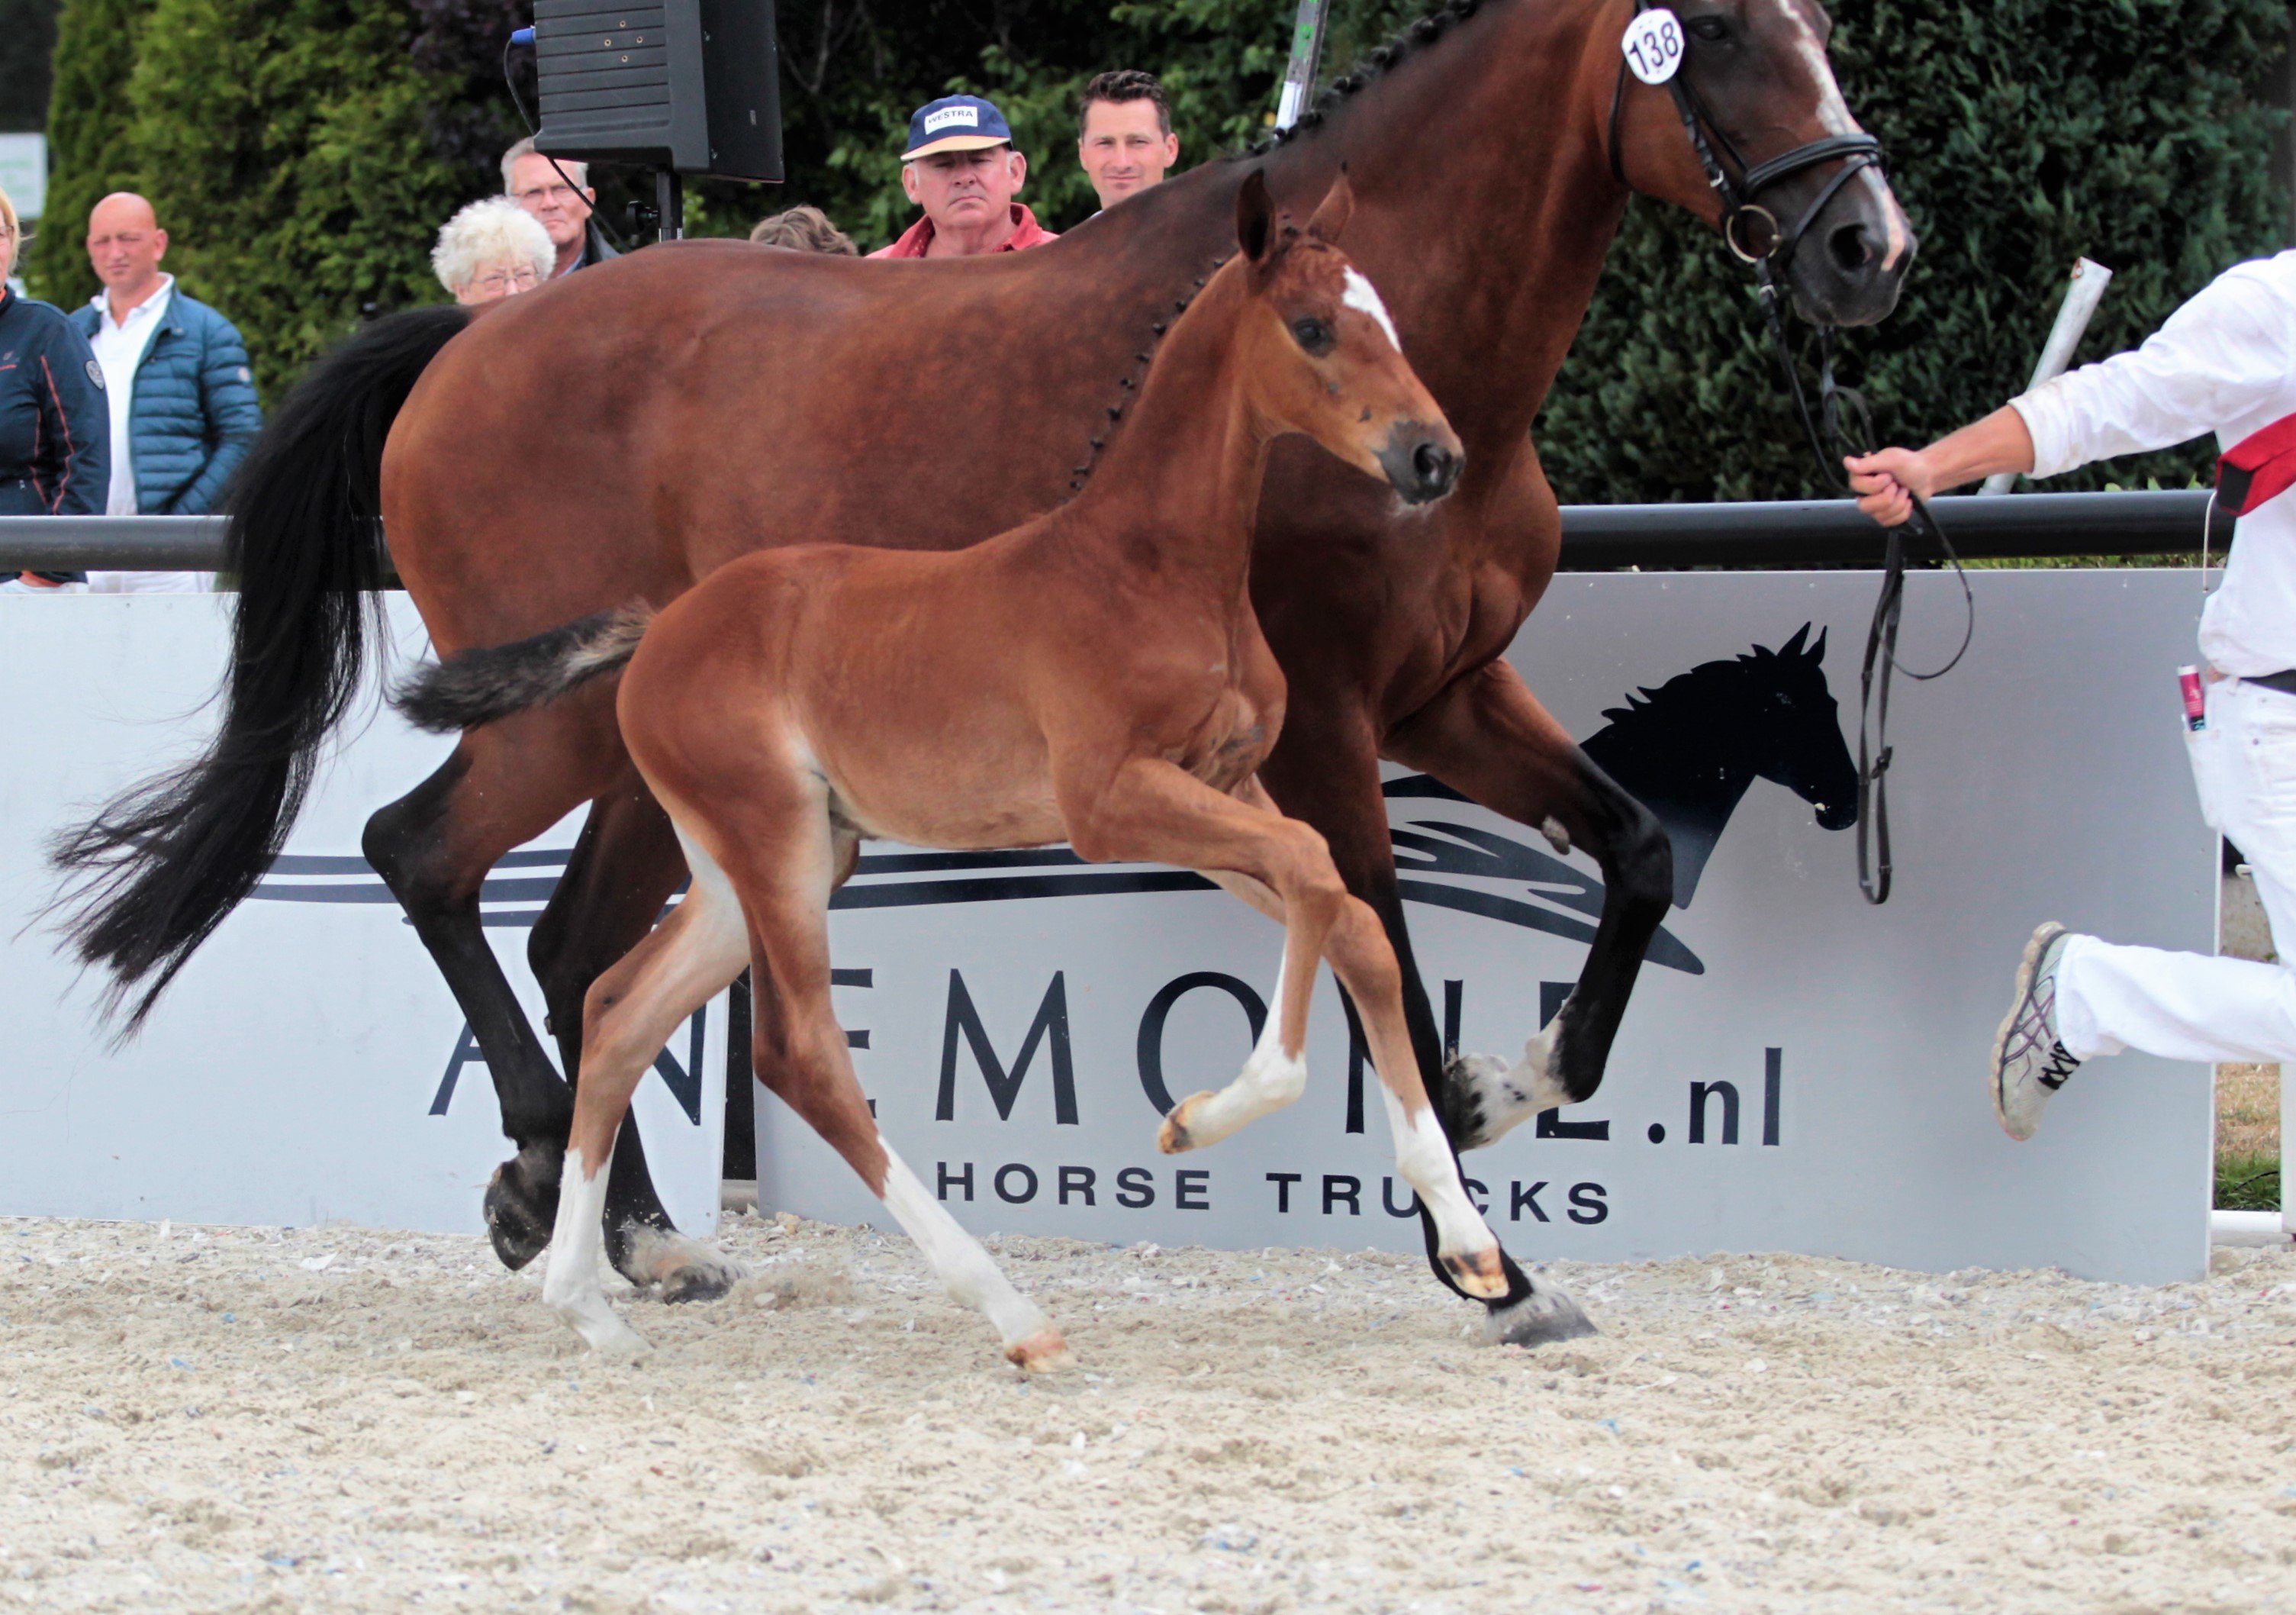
<point x="2082" y="292"/>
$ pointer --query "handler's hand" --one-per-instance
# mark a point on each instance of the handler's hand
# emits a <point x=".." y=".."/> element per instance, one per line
<point x="1887" y="482"/>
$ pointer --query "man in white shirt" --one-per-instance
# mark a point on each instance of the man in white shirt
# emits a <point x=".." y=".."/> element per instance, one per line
<point x="2226" y="362"/>
<point x="126" y="244"/>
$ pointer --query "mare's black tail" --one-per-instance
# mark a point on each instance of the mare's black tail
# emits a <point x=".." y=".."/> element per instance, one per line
<point x="483" y="686"/>
<point x="151" y="875"/>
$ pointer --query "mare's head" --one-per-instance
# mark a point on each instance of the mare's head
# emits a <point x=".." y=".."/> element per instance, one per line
<point x="1319" y="354"/>
<point x="1756" y="78"/>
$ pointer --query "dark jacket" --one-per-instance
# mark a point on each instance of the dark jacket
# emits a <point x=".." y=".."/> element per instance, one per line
<point x="594" y="249"/>
<point x="54" y="431"/>
<point x="192" y="413"/>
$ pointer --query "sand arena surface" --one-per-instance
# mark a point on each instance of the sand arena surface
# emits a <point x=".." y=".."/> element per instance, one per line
<point x="331" y="1418"/>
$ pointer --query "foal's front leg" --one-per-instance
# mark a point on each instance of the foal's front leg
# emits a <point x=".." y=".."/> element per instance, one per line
<point x="1153" y="812"/>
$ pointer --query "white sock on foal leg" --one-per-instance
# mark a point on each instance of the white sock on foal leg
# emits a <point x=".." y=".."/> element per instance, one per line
<point x="1463" y="1241"/>
<point x="1506" y="1096"/>
<point x="971" y="1274"/>
<point x="569" y="1286"/>
<point x="1271" y="1079"/>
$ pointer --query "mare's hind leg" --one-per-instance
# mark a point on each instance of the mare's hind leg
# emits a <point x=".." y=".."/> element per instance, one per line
<point x="1488" y="736"/>
<point x="433" y="847"/>
<point x="624" y="867"/>
<point x="785" y="860"/>
<point x="630" y="1012"/>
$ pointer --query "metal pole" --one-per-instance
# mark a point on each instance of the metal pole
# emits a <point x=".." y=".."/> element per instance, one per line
<point x="2081" y="294"/>
<point x="1306" y="49"/>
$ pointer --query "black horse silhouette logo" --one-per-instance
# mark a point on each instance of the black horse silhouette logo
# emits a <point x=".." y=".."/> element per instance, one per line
<point x="1689" y="750"/>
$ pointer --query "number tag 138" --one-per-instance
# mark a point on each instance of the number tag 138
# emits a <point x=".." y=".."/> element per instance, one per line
<point x="1653" y="45"/>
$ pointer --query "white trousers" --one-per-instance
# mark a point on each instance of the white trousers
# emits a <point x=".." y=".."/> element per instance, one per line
<point x="2197" y="1006"/>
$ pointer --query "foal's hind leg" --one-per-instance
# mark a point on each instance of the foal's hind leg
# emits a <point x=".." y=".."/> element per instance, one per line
<point x="631" y="1011"/>
<point x="784" y="861"/>
<point x="623" y="869"/>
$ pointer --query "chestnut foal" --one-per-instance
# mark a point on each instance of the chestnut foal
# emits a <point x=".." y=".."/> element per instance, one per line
<point x="1096" y="675"/>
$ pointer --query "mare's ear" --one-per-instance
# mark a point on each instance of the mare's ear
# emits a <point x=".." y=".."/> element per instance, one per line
<point x="1338" y="203"/>
<point x="1255" y="217"/>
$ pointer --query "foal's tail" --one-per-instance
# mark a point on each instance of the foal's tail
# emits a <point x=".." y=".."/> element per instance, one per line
<point x="151" y="875"/>
<point x="483" y="686"/>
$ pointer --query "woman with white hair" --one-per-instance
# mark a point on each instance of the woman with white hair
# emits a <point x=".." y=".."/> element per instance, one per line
<point x="492" y="248"/>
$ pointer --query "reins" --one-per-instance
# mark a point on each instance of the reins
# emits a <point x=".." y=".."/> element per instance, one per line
<point x="1842" y="419"/>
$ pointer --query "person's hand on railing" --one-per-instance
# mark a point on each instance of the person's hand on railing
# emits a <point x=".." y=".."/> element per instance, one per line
<point x="1888" y="481"/>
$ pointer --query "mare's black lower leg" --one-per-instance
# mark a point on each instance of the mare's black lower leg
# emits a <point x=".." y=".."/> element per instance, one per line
<point x="624" y="867"/>
<point x="434" y="859"/>
<point x="1488" y="737"/>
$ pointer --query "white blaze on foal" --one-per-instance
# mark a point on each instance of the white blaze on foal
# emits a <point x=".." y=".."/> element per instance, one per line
<point x="1363" y="297"/>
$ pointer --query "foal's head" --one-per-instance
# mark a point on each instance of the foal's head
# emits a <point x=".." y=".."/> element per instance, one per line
<point x="1319" y="354"/>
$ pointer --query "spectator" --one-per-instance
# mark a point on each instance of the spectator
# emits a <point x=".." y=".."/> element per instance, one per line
<point x="804" y="230"/>
<point x="492" y="250"/>
<point x="962" y="170"/>
<point x="52" y="417"/>
<point x="539" y="185"/>
<point x="182" y="400"/>
<point x="1124" y="135"/>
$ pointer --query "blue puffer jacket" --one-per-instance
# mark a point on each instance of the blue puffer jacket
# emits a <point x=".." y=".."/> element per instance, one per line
<point x="193" y="413"/>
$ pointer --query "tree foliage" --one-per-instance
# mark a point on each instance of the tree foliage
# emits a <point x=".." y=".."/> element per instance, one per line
<point x="305" y="152"/>
<point x="87" y="138"/>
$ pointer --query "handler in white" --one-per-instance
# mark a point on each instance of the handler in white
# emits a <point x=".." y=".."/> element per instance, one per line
<point x="2225" y="363"/>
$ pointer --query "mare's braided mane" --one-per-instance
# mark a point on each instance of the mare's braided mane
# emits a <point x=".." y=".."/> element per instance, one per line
<point x="1370" y="66"/>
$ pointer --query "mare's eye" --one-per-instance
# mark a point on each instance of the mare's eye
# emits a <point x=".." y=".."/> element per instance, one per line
<point x="1312" y="334"/>
<point x="1709" y="28"/>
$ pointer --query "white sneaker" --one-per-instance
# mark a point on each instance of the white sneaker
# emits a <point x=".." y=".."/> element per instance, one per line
<point x="2030" y="1065"/>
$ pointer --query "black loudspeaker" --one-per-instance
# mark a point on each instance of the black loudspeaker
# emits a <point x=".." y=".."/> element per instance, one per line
<point x="693" y="86"/>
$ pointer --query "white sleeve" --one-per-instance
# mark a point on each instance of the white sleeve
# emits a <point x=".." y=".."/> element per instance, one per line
<point x="2222" y="356"/>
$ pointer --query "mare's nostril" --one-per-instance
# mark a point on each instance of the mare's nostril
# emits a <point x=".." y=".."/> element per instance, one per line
<point x="1435" y="466"/>
<point x="1848" y="249"/>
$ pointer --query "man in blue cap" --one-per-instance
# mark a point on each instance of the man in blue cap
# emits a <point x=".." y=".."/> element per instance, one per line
<point x="962" y="170"/>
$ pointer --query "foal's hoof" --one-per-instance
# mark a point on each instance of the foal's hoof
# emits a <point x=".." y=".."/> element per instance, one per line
<point x="682" y="1269"/>
<point x="1173" y="1138"/>
<point x="1546" y="1315"/>
<point x="1480" y="1274"/>
<point x="521" y="1203"/>
<point x="1043" y="1352"/>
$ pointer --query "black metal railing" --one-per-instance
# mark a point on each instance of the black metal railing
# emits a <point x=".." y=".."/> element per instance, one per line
<point x="1595" y="537"/>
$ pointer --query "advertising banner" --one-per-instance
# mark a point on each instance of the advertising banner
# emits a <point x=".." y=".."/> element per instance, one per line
<point x="1798" y="1070"/>
<point x="309" y="1064"/>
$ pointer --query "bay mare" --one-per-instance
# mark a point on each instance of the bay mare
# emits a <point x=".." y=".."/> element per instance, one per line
<point x="623" y="432"/>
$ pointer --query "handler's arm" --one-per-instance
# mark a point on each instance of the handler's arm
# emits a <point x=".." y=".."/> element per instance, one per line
<point x="2225" y="354"/>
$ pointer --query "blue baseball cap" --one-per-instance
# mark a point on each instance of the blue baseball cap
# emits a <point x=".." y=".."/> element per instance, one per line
<point x="956" y="123"/>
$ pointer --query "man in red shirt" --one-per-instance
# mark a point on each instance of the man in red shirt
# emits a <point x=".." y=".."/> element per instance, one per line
<point x="962" y="170"/>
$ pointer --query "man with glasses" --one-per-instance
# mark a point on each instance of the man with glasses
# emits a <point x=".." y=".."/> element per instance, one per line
<point x="559" y="196"/>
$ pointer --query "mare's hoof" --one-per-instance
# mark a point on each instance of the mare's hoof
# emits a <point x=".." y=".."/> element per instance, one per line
<point x="1043" y="1352"/>
<point x="1544" y="1317"/>
<point x="521" y="1204"/>
<point x="1173" y="1138"/>
<point x="1480" y="1274"/>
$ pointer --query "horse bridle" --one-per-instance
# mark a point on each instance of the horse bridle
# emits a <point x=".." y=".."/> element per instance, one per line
<point x="1842" y="417"/>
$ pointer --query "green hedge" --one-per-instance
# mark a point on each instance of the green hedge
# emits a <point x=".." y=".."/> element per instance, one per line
<point x="305" y="152"/>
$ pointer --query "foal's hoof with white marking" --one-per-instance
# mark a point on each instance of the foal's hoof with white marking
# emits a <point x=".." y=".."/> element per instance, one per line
<point x="602" y="1328"/>
<point x="1546" y="1315"/>
<point x="1481" y="1274"/>
<point x="1173" y="1138"/>
<point x="1043" y="1352"/>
